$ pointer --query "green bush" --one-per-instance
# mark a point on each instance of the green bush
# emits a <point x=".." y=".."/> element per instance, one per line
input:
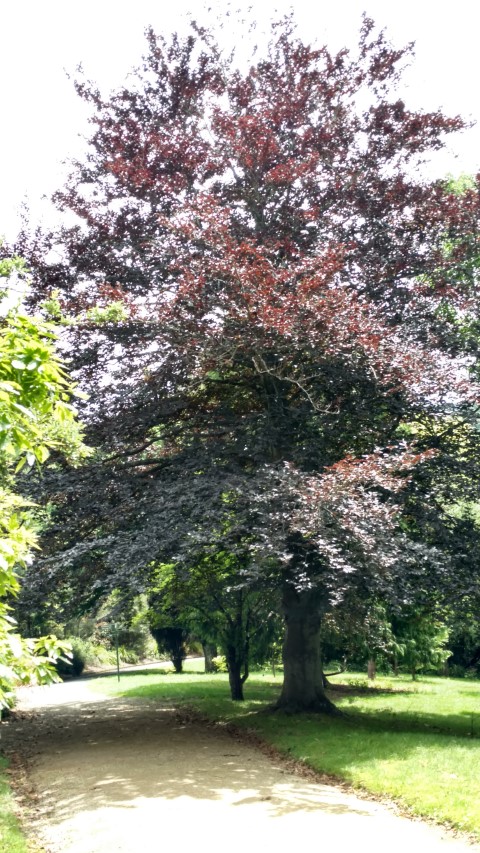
<point x="100" y="655"/>
<point x="76" y="665"/>
<point x="129" y="626"/>
<point x="219" y="664"/>
<point x="85" y="654"/>
<point x="127" y="655"/>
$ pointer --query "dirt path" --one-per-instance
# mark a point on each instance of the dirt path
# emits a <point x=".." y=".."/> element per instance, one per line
<point x="124" y="776"/>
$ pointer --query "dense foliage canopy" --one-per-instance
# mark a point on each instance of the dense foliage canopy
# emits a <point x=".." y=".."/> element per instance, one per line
<point x="271" y="311"/>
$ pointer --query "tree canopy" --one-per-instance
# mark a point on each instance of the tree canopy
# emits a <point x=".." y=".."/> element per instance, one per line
<point x="263" y="288"/>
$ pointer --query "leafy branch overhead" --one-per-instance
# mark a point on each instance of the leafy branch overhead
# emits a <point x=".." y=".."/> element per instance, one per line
<point x="35" y="418"/>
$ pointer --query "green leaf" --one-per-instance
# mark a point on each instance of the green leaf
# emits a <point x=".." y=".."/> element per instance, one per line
<point x="42" y="453"/>
<point x="20" y="465"/>
<point x="27" y="412"/>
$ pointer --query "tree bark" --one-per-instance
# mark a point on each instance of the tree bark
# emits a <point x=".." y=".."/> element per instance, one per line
<point x="372" y="669"/>
<point x="209" y="652"/>
<point x="235" y="679"/>
<point x="177" y="657"/>
<point x="236" y="645"/>
<point x="303" y="686"/>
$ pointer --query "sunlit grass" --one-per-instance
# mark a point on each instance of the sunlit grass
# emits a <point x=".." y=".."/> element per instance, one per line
<point x="415" y="742"/>
<point x="12" y="839"/>
<point x="438" y="704"/>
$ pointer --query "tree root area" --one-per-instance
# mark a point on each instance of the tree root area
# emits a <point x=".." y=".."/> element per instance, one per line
<point x="318" y="706"/>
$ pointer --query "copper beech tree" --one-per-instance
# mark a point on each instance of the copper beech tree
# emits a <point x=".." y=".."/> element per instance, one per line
<point x="258" y="277"/>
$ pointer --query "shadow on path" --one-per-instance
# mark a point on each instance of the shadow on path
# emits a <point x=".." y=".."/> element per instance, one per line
<point x="125" y="774"/>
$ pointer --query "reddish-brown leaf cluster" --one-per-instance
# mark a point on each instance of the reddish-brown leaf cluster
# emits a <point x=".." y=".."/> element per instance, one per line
<point x="286" y="265"/>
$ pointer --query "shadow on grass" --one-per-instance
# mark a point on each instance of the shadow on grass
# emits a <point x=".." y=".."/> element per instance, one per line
<point x="368" y="690"/>
<point x="463" y="725"/>
<point x="210" y="694"/>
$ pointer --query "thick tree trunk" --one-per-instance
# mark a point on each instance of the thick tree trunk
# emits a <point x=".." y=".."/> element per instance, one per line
<point x="303" y="685"/>
<point x="371" y="669"/>
<point x="209" y="652"/>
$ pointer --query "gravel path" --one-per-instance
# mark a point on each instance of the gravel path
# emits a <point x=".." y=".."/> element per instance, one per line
<point x="123" y="776"/>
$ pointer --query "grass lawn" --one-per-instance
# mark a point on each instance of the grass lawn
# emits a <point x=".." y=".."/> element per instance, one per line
<point x="12" y="839"/>
<point x="415" y="742"/>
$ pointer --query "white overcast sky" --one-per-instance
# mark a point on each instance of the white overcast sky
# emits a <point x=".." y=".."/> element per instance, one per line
<point x="42" y="119"/>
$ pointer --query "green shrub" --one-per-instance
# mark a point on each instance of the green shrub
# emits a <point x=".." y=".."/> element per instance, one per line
<point x="85" y="654"/>
<point x="219" y="664"/>
<point x="100" y="655"/>
<point x="127" y="655"/>
<point x="76" y="665"/>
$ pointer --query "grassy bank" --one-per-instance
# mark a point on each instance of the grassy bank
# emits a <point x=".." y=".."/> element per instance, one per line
<point x="415" y="742"/>
<point x="12" y="839"/>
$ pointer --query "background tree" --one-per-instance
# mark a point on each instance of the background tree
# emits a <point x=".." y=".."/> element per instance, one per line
<point x="464" y="639"/>
<point x="422" y="639"/>
<point x="209" y="601"/>
<point x="281" y="270"/>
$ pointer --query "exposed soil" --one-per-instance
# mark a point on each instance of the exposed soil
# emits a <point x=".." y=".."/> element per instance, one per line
<point x="98" y="775"/>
